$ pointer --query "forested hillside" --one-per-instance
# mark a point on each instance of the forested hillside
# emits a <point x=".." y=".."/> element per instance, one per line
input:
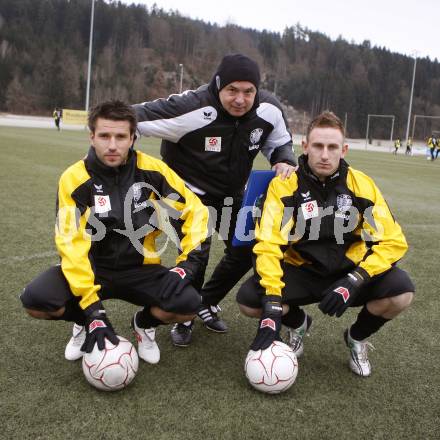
<point x="137" y="52"/>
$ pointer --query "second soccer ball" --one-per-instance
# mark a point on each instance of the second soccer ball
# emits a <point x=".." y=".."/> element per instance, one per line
<point x="272" y="370"/>
<point x="113" y="368"/>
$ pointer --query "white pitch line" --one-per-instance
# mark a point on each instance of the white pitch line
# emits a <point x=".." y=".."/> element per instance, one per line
<point x="28" y="257"/>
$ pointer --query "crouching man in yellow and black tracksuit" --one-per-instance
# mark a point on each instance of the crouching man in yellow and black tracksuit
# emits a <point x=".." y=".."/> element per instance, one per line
<point x="327" y="236"/>
<point x="111" y="207"/>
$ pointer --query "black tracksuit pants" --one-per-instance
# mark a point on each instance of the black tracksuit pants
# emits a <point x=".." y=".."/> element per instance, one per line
<point x="236" y="261"/>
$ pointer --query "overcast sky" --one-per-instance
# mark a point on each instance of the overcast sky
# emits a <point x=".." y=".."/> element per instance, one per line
<point x="403" y="26"/>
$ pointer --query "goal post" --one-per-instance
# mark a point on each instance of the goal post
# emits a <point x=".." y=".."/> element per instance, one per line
<point x="420" y="117"/>
<point x="379" y="116"/>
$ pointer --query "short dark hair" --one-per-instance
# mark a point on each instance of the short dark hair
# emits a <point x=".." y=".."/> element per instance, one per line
<point x="114" y="111"/>
<point x="326" y="119"/>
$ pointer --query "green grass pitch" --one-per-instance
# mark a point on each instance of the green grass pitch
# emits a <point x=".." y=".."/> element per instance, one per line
<point x="200" y="392"/>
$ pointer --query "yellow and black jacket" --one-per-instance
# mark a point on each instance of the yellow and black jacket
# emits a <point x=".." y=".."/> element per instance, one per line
<point x="433" y="142"/>
<point x="110" y="217"/>
<point x="325" y="228"/>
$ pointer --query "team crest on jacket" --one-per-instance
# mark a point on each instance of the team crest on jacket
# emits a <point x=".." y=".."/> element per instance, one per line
<point x="344" y="202"/>
<point x="258" y="207"/>
<point x="254" y="138"/>
<point x="137" y="194"/>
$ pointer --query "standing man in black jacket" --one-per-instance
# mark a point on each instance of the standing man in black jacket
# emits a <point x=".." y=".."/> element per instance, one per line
<point x="210" y="137"/>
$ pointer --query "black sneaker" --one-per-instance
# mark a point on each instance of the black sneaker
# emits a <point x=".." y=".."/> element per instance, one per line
<point x="209" y="316"/>
<point x="181" y="334"/>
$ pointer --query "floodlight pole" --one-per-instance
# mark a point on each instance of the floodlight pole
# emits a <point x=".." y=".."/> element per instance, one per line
<point x="413" y="127"/>
<point x="89" y="66"/>
<point x="304" y="127"/>
<point x="392" y="129"/>
<point x="411" y="99"/>
<point x="181" y="78"/>
<point x="366" y="135"/>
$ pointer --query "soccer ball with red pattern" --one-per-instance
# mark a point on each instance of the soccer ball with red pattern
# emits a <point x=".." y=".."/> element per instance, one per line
<point x="272" y="370"/>
<point x="113" y="368"/>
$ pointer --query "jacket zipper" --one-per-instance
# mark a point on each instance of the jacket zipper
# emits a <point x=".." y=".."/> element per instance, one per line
<point x="325" y="199"/>
<point x="121" y="205"/>
<point x="323" y="193"/>
<point x="232" y="152"/>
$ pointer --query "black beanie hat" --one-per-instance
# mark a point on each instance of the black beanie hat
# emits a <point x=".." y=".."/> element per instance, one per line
<point x="237" y="67"/>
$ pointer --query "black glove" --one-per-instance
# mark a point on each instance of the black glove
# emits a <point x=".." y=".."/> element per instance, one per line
<point x="342" y="294"/>
<point x="270" y="323"/>
<point x="98" y="328"/>
<point x="174" y="282"/>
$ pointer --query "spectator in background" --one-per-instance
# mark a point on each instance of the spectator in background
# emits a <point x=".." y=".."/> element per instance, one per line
<point x="57" y="115"/>
<point x="408" y="150"/>
<point x="397" y="144"/>
<point x="432" y="145"/>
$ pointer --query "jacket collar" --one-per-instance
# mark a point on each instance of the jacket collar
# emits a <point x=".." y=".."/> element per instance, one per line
<point x="94" y="164"/>
<point x="338" y="175"/>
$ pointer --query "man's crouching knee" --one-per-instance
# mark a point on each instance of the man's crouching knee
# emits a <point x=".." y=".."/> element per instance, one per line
<point x="34" y="303"/>
<point x="179" y="308"/>
<point x="256" y="312"/>
<point x="171" y="317"/>
<point x="392" y="306"/>
<point x="38" y="314"/>
<point x="249" y="311"/>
